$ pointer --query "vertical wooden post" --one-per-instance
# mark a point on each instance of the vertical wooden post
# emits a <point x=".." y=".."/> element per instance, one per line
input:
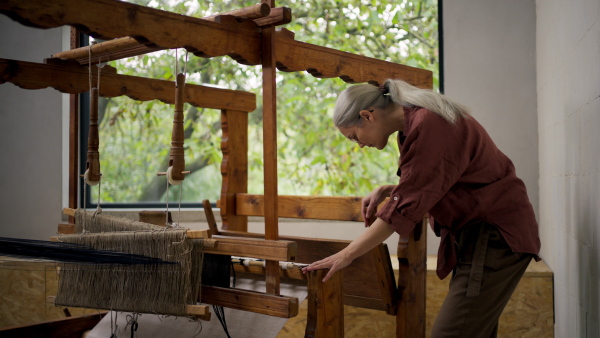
<point x="73" y="138"/>
<point x="269" y="72"/>
<point x="325" y="317"/>
<point x="234" y="167"/>
<point x="412" y="256"/>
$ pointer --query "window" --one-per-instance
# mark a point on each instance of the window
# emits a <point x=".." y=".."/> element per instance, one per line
<point x="313" y="158"/>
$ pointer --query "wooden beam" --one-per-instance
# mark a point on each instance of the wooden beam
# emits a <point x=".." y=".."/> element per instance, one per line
<point x="278" y="16"/>
<point x="325" y="316"/>
<point x="278" y="306"/>
<point x="251" y="12"/>
<point x="256" y="248"/>
<point x="198" y="311"/>
<point x="269" y="73"/>
<point x="323" y="62"/>
<point x="412" y="257"/>
<point x="234" y="167"/>
<point x="142" y="23"/>
<point x="75" y="80"/>
<point x="310" y="207"/>
<point x="100" y="52"/>
<point x="127" y="46"/>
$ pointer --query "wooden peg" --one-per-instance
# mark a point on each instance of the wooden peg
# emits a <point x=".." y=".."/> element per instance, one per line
<point x="177" y="157"/>
<point x="210" y="218"/>
<point x="93" y="156"/>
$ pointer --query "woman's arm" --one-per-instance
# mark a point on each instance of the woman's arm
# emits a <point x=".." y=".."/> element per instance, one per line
<point x="373" y="236"/>
<point x="372" y="200"/>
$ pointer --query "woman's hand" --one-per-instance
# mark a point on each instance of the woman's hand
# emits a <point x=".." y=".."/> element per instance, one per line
<point x="334" y="263"/>
<point x="369" y="239"/>
<point x="372" y="200"/>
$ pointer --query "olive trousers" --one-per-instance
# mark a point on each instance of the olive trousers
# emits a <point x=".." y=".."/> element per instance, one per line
<point x="483" y="281"/>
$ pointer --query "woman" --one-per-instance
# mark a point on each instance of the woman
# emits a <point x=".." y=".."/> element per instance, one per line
<point x="451" y="169"/>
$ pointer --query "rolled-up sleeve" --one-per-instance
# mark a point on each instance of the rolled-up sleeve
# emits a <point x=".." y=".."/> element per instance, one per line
<point x="433" y="157"/>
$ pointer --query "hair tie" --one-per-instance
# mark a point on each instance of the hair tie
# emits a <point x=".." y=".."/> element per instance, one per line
<point x="383" y="89"/>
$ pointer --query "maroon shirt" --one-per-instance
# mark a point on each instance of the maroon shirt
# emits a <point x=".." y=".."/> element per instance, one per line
<point x="456" y="173"/>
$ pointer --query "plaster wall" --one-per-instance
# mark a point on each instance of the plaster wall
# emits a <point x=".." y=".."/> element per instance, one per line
<point x="489" y="65"/>
<point x="31" y="127"/>
<point x="568" y="88"/>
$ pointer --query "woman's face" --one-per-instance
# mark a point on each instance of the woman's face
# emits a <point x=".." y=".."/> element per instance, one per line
<point x="369" y="132"/>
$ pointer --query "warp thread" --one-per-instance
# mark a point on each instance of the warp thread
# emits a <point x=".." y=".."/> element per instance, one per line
<point x="97" y="222"/>
<point x="147" y="288"/>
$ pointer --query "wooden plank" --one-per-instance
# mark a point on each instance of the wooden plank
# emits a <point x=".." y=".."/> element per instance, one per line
<point x="325" y="316"/>
<point x="278" y="306"/>
<point x="234" y="167"/>
<point x="412" y="273"/>
<point x="385" y="274"/>
<point x="255" y="248"/>
<point x="75" y="80"/>
<point x="323" y="62"/>
<point x="142" y="23"/>
<point x="269" y="72"/>
<point x="311" y="207"/>
<point x="71" y="327"/>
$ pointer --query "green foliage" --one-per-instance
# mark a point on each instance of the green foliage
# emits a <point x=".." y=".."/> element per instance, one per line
<point x="313" y="157"/>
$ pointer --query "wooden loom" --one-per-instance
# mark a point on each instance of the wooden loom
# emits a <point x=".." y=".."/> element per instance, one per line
<point x="251" y="40"/>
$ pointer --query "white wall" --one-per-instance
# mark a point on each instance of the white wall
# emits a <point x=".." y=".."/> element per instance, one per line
<point x="568" y="86"/>
<point x="30" y="134"/>
<point x="489" y="65"/>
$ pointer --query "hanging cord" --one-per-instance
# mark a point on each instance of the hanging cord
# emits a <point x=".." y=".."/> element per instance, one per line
<point x="114" y="328"/>
<point x="220" y="313"/>
<point x="169" y="170"/>
<point x="132" y="320"/>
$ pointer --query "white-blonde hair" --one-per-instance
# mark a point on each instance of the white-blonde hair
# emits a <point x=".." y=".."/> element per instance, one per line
<point x="358" y="97"/>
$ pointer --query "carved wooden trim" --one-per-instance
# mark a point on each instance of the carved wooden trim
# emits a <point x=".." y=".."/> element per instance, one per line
<point x="75" y="80"/>
<point x="164" y="29"/>
<point x="323" y="62"/>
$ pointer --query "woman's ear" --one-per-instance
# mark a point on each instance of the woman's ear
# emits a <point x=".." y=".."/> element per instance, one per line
<point x="366" y="114"/>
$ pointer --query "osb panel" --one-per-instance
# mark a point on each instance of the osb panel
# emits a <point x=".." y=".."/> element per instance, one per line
<point x="24" y="287"/>
<point x="22" y="293"/>
<point x="357" y="323"/>
<point x="529" y="313"/>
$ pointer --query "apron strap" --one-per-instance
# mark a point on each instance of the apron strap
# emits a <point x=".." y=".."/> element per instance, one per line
<point x="476" y="274"/>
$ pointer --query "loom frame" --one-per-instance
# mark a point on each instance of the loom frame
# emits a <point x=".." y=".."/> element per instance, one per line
<point x="250" y="42"/>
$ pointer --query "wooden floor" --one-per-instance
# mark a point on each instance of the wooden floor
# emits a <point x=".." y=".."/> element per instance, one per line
<point x="24" y="287"/>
